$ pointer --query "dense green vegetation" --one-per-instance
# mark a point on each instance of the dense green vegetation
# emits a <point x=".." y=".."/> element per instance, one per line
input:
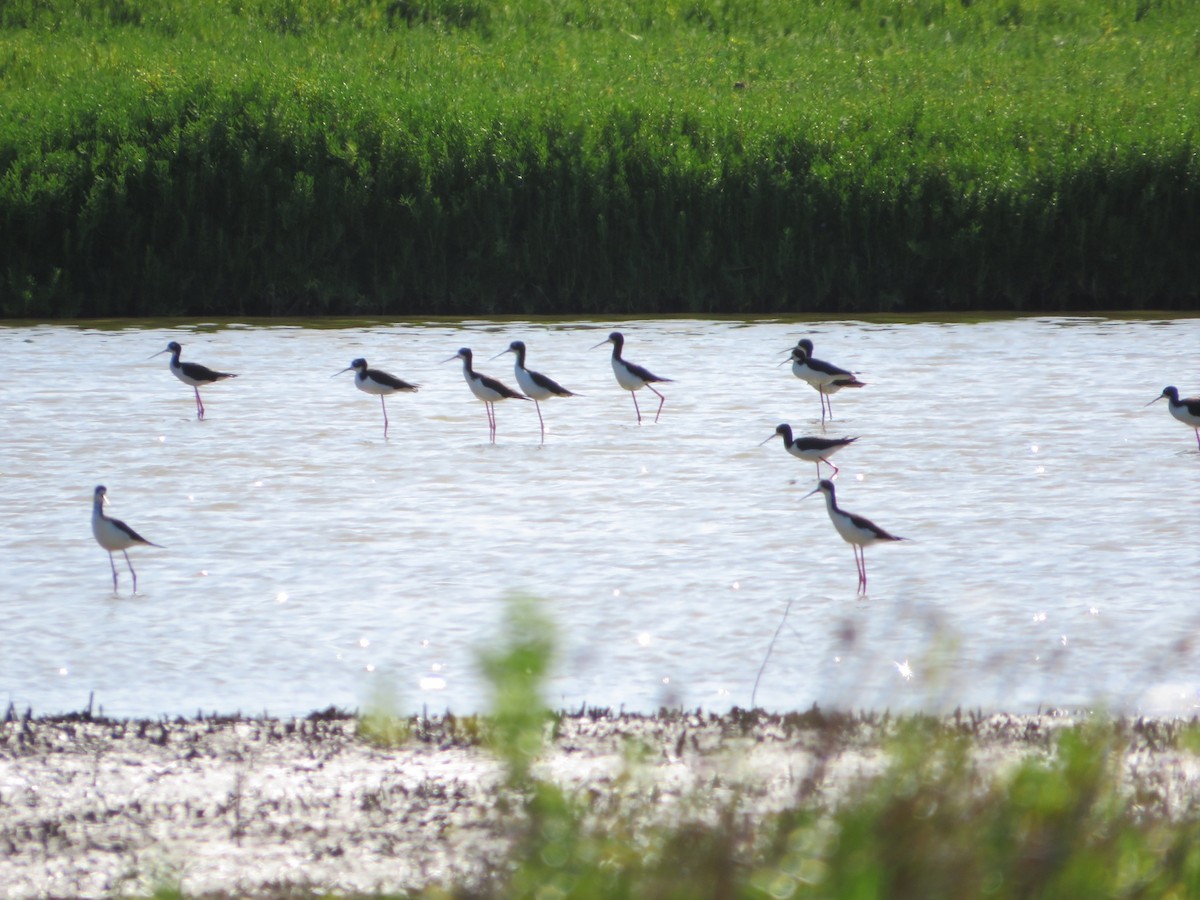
<point x="412" y="157"/>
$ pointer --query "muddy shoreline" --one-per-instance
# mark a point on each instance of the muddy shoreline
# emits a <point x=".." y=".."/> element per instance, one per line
<point x="92" y="807"/>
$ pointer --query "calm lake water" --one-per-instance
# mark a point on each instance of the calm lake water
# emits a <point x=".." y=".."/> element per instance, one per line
<point x="1053" y="519"/>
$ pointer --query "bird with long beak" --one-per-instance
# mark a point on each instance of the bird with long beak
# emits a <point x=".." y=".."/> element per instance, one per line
<point x="632" y="377"/>
<point x="485" y="388"/>
<point x="855" y="530"/>
<point x="375" y="381"/>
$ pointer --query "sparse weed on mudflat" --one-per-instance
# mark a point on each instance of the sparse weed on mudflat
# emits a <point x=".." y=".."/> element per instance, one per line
<point x="460" y="156"/>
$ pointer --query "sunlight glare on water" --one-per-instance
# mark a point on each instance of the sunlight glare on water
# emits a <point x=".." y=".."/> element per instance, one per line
<point x="1051" y="518"/>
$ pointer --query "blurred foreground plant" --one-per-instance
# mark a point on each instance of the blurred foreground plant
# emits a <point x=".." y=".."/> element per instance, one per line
<point x="937" y="823"/>
<point x="516" y="669"/>
<point x="1063" y="813"/>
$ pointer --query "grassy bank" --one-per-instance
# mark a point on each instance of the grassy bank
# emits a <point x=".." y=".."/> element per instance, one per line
<point x="460" y="156"/>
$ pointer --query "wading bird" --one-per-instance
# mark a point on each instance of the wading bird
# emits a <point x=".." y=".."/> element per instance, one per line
<point x="113" y="535"/>
<point x="854" y="529"/>
<point x="192" y="374"/>
<point x="825" y="377"/>
<point x="533" y="384"/>
<point x="1186" y="410"/>
<point x="632" y="377"/>
<point x="811" y="449"/>
<point x="485" y="388"/>
<point x="373" y="381"/>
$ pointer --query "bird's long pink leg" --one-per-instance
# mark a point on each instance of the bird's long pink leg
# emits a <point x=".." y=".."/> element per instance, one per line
<point x="633" y="394"/>
<point x="1198" y="437"/>
<point x="540" y="420"/>
<point x="114" y="568"/>
<point x="661" y="401"/>
<point x="131" y="571"/>
<point x="831" y="465"/>
<point x="491" y="411"/>
<point x="863" y="553"/>
<point x="385" y="421"/>
<point x="199" y="404"/>
<point x="861" y="565"/>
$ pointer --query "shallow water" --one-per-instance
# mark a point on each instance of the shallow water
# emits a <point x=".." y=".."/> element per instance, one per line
<point x="1053" y="519"/>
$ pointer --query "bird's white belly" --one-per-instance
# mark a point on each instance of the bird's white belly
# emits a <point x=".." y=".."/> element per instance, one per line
<point x="811" y="456"/>
<point x="529" y="387"/>
<point x="851" y="533"/>
<point x="372" y="387"/>
<point x="482" y="391"/>
<point x="1181" y="413"/>
<point x="178" y="372"/>
<point x="627" y="379"/>
<point x="814" y="378"/>
<point x="109" y="536"/>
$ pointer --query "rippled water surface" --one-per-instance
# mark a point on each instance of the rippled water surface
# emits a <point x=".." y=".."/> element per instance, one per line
<point x="1053" y="519"/>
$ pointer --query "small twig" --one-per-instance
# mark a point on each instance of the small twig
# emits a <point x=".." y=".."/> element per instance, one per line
<point x="770" y="647"/>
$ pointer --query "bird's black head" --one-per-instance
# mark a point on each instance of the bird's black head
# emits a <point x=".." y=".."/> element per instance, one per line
<point x="785" y="431"/>
<point x="824" y="486"/>
<point x="806" y="344"/>
<point x="464" y="353"/>
<point x="616" y="338"/>
<point x="517" y="347"/>
<point x="1170" y="392"/>
<point x="174" y="347"/>
<point x="358" y="364"/>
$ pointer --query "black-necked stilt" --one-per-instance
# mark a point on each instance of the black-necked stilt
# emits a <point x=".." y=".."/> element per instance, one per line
<point x="630" y="376"/>
<point x="193" y="374"/>
<point x="854" y="529"/>
<point x="811" y="449"/>
<point x="534" y="385"/>
<point x="373" y="381"/>
<point x="1186" y="410"/>
<point x="485" y="388"/>
<point x="825" y="377"/>
<point x="113" y="534"/>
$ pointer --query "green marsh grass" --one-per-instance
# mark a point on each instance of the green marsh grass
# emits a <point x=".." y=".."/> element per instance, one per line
<point x="422" y="157"/>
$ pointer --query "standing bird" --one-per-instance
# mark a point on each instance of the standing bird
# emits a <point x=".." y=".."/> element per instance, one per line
<point x="1186" y="411"/>
<point x="487" y="389"/>
<point x="373" y="381"/>
<point x="825" y="377"/>
<point x="811" y="449"/>
<point x="534" y="384"/>
<point x="630" y="376"/>
<point x="193" y="374"/>
<point x="854" y="529"/>
<point x="113" y="534"/>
